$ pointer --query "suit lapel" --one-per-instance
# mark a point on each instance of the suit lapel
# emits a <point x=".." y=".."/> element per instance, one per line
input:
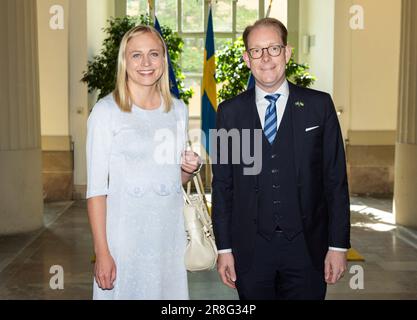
<point x="298" y="115"/>
<point x="255" y="124"/>
<point x="254" y="116"/>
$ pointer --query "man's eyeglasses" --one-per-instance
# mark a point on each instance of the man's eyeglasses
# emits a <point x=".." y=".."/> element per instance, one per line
<point x="273" y="51"/>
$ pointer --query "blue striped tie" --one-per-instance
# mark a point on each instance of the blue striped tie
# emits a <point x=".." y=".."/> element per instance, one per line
<point x="270" y="127"/>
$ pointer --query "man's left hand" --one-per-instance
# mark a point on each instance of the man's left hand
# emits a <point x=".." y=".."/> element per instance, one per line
<point x="335" y="266"/>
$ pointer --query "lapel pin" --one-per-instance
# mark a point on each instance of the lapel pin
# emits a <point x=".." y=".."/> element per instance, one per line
<point x="299" y="104"/>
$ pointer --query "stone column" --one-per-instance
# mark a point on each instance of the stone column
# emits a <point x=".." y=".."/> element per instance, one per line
<point x="78" y="92"/>
<point x="405" y="188"/>
<point x="21" y="203"/>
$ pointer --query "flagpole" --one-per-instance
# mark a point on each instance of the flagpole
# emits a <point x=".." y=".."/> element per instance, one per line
<point x="206" y="17"/>
<point x="208" y="84"/>
<point x="151" y="9"/>
<point x="207" y="171"/>
<point x="268" y="12"/>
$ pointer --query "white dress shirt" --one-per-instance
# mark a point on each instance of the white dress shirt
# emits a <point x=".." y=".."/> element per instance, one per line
<point x="262" y="104"/>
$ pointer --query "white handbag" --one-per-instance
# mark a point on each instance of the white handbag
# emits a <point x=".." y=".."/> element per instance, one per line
<point x="201" y="250"/>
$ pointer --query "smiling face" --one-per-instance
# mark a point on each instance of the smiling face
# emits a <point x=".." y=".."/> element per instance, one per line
<point x="144" y="59"/>
<point x="269" y="72"/>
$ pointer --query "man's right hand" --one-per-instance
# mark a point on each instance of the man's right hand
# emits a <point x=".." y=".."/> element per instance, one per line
<point x="105" y="271"/>
<point x="226" y="269"/>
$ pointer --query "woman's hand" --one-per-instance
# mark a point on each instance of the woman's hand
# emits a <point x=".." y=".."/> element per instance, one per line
<point x="105" y="271"/>
<point x="190" y="162"/>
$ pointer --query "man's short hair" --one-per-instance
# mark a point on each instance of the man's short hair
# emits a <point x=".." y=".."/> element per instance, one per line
<point x="266" y="22"/>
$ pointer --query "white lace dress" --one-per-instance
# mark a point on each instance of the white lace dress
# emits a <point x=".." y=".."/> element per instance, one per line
<point x="134" y="159"/>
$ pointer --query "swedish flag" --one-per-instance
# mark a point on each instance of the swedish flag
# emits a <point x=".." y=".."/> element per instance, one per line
<point x="208" y="92"/>
<point x="172" y="79"/>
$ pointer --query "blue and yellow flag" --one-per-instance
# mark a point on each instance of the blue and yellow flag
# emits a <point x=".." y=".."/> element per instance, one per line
<point x="172" y="79"/>
<point x="208" y="92"/>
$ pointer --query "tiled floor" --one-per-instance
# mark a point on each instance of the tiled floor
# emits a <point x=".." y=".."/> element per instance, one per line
<point x="389" y="271"/>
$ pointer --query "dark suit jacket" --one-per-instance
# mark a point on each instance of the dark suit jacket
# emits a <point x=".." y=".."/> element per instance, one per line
<point x="320" y="172"/>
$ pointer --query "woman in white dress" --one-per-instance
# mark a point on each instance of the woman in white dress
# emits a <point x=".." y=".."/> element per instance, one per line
<point x="136" y="164"/>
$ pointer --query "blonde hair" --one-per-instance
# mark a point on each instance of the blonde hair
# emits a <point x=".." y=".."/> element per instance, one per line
<point x="121" y="93"/>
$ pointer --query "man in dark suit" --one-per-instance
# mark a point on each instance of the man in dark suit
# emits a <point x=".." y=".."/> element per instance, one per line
<point x="283" y="232"/>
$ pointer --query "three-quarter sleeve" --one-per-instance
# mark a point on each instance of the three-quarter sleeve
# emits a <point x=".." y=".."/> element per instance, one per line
<point x="98" y="148"/>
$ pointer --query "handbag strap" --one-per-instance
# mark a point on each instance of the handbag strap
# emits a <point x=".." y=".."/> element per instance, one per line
<point x="189" y="187"/>
<point x="198" y="188"/>
<point x="202" y="188"/>
<point x="186" y="196"/>
<point x="187" y="193"/>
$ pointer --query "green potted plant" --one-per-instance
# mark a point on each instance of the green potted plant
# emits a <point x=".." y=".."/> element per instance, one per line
<point x="101" y="71"/>
<point x="233" y="74"/>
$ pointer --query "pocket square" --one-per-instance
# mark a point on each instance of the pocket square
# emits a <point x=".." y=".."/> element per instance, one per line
<point x="312" y="128"/>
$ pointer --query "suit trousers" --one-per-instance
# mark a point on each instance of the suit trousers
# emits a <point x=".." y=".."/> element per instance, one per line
<point x="281" y="270"/>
